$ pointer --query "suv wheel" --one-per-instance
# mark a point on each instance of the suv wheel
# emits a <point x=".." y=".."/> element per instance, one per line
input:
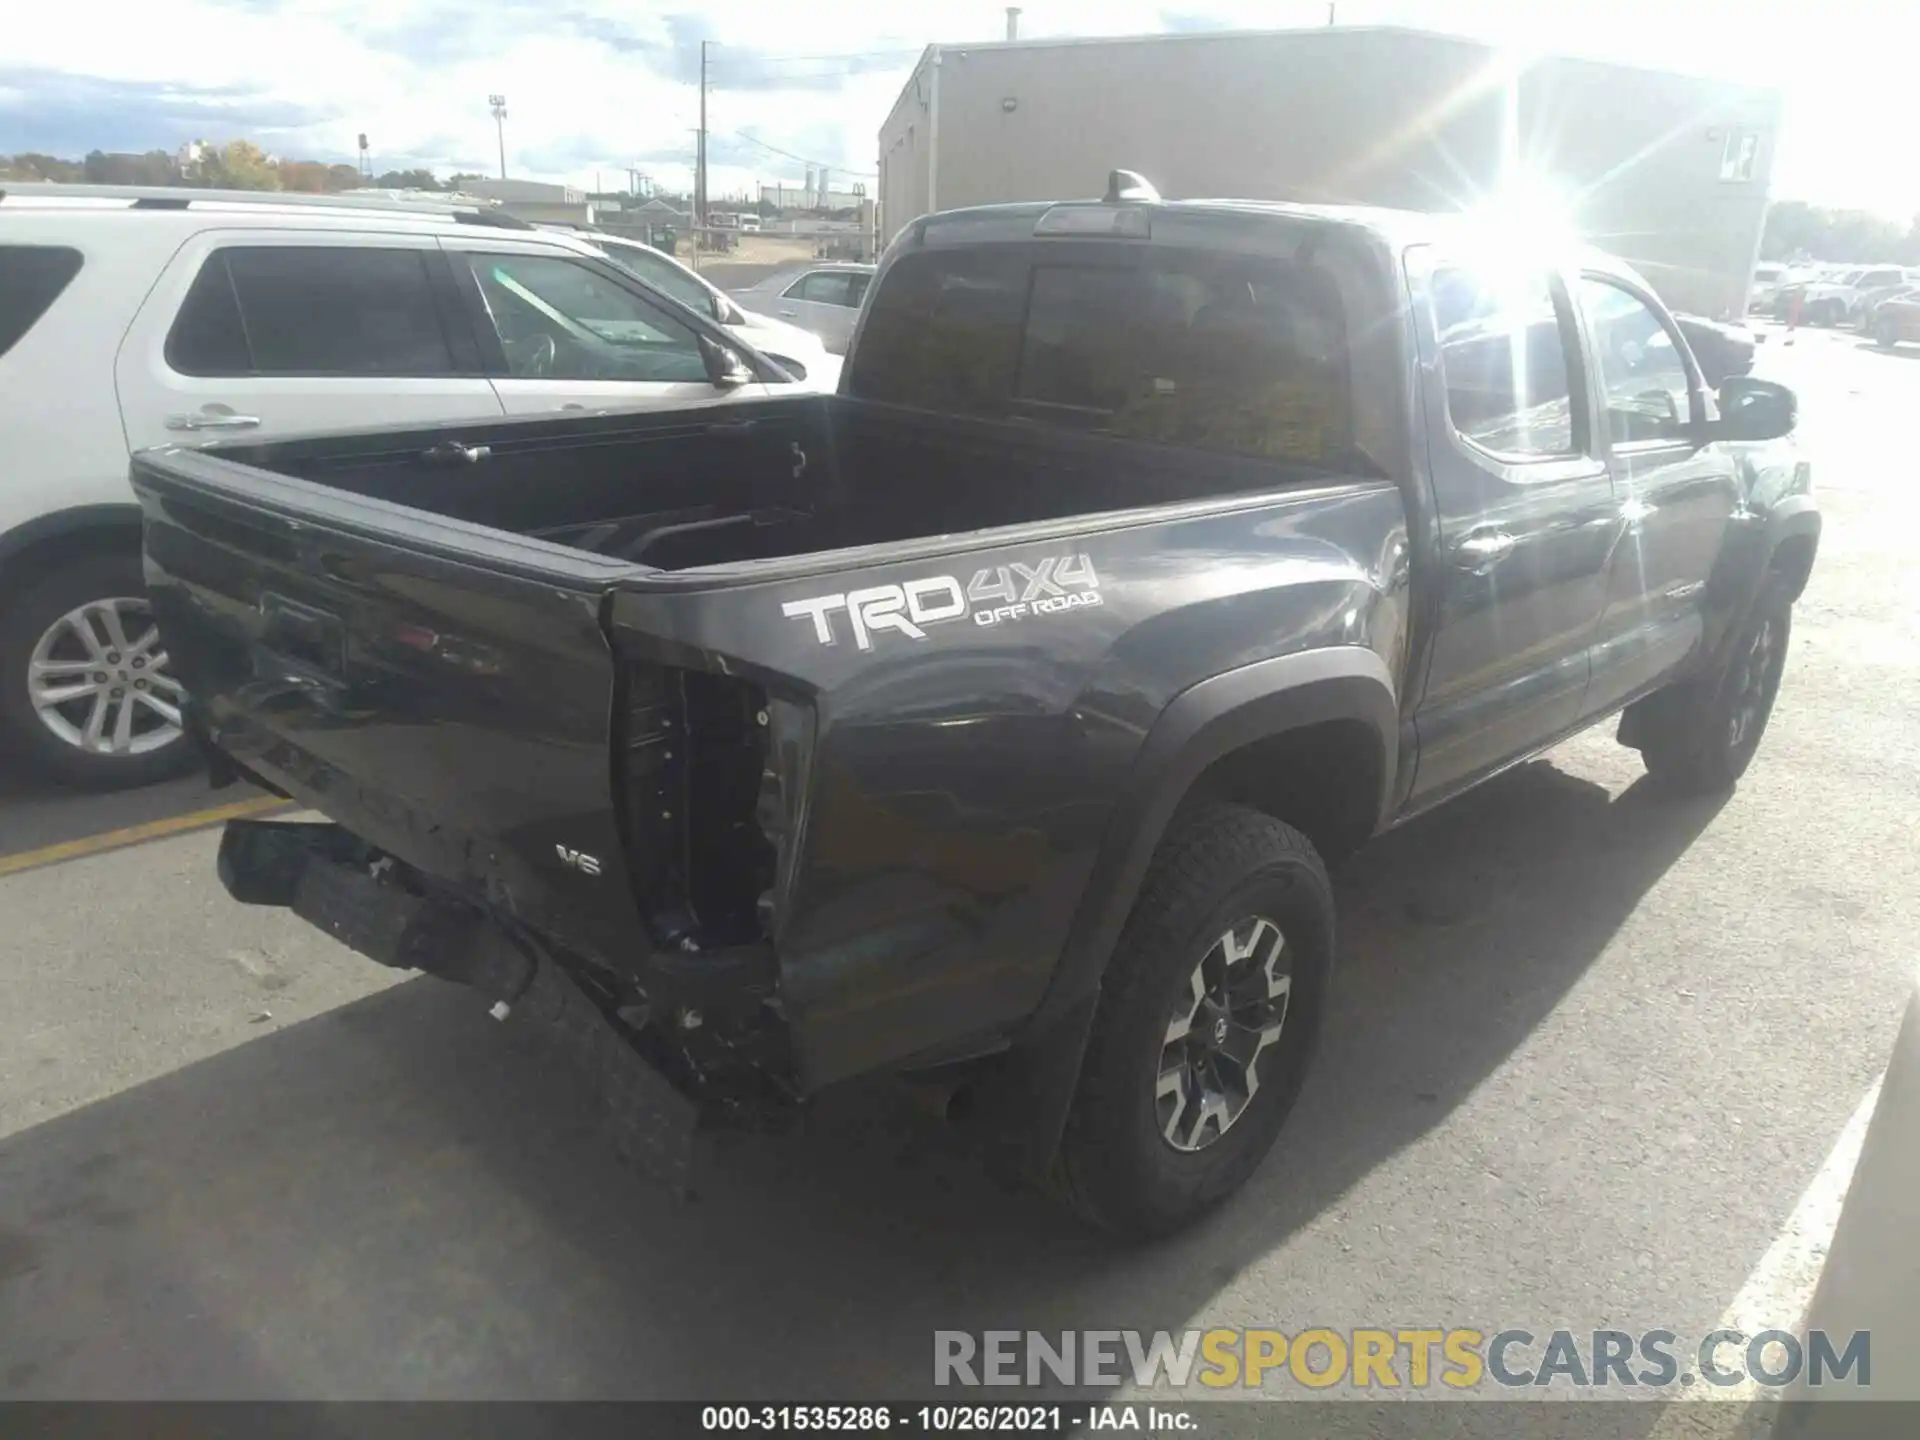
<point x="1211" y="1006"/>
<point x="86" y="693"/>
<point x="1702" y="735"/>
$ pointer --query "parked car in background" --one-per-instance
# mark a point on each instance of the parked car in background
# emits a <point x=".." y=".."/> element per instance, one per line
<point x="1765" y="289"/>
<point x="1873" y="289"/>
<point x="1897" y="319"/>
<point x="824" y="298"/>
<point x="1869" y="309"/>
<point x="1822" y="299"/>
<point x="133" y="317"/>
<point x="798" y="351"/>
<point x="1833" y="301"/>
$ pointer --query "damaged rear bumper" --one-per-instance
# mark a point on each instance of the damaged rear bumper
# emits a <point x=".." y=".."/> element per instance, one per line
<point x="344" y="887"/>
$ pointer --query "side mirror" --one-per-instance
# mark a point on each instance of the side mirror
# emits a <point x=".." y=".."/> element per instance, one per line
<point x="1753" y="409"/>
<point x="725" y="368"/>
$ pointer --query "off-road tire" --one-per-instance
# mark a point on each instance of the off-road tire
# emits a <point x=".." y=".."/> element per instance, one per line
<point x="1686" y="732"/>
<point x="1217" y="864"/>
<point x="25" y="615"/>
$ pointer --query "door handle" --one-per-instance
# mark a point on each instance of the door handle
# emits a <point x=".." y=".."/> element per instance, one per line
<point x="1480" y="552"/>
<point x="789" y="314"/>
<point x="218" y="420"/>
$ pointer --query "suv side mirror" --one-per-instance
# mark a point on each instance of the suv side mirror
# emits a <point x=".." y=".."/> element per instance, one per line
<point x="725" y="367"/>
<point x="1753" y="410"/>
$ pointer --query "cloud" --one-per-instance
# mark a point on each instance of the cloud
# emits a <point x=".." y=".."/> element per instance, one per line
<point x="738" y="67"/>
<point x="68" y="115"/>
<point x="1189" y="22"/>
<point x="604" y="84"/>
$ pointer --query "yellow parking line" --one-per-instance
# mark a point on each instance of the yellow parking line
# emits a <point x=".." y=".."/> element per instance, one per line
<point x="136" y="834"/>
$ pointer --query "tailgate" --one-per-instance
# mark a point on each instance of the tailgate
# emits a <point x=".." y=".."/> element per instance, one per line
<point x="440" y="689"/>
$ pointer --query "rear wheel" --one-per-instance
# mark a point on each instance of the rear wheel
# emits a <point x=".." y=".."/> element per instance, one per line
<point x="87" y="695"/>
<point x="1702" y="735"/>
<point x="1211" y="1007"/>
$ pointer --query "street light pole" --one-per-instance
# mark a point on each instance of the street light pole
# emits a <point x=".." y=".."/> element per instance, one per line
<point x="700" y="160"/>
<point x="498" y="105"/>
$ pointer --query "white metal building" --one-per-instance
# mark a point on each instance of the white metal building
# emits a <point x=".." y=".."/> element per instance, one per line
<point x="1669" y="171"/>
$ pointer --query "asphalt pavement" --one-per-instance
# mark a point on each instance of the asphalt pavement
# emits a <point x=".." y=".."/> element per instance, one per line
<point x="1590" y="1053"/>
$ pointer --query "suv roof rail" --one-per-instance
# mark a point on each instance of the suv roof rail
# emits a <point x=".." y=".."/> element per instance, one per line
<point x="467" y="209"/>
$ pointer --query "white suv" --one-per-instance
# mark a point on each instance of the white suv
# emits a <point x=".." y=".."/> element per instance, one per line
<point x="135" y="317"/>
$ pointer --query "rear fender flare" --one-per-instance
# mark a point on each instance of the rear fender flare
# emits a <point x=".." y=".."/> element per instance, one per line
<point x="1030" y="1095"/>
<point x="1201" y="724"/>
<point x="1752" y="566"/>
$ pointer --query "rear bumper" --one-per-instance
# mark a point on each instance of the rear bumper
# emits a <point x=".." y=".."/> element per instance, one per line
<point x="343" y="886"/>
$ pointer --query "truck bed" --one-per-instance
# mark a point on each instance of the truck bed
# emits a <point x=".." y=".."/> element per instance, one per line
<point x="807" y="695"/>
<point x="755" y="480"/>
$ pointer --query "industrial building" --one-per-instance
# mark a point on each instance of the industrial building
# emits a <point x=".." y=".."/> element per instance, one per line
<point x="817" y="193"/>
<point x="535" y="200"/>
<point x="1668" y="171"/>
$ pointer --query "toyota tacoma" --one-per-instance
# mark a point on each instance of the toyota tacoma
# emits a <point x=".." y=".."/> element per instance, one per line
<point x="993" y="721"/>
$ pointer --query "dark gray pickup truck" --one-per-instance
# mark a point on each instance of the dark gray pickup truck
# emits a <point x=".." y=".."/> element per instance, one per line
<point x="991" y="722"/>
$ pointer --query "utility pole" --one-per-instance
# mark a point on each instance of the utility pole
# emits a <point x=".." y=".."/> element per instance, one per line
<point x="498" y="105"/>
<point x="700" y="158"/>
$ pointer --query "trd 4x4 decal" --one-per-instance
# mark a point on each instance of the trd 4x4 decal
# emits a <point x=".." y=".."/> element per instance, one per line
<point x="997" y="595"/>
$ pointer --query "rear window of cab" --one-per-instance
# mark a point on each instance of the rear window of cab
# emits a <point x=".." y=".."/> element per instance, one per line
<point x="1214" y="350"/>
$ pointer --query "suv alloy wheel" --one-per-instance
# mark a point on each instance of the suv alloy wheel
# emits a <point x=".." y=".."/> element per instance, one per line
<point x="88" y="696"/>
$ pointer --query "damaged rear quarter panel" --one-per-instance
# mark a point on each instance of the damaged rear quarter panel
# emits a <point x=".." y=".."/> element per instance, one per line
<point x="964" y="769"/>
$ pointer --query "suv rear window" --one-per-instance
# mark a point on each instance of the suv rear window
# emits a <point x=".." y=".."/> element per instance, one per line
<point x="31" y="279"/>
<point x="1214" y="350"/>
<point x="311" y="310"/>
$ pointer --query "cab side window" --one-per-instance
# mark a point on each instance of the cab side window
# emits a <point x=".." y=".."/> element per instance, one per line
<point x="1504" y="346"/>
<point x="1643" y="376"/>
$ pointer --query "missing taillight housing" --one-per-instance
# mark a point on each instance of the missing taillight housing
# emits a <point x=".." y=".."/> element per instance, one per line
<point x="730" y="861"/>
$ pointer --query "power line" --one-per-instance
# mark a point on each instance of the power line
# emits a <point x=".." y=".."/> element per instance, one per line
<point x="805" y="160"/>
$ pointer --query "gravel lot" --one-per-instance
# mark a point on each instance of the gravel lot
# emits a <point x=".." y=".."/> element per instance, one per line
<point x="1587" y="1050"/>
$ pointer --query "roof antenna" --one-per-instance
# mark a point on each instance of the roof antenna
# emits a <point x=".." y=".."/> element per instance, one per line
<point x="1129" y="185"/>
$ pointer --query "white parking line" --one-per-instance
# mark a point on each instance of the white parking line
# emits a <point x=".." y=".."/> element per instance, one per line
<point x="1780" y="1287"/>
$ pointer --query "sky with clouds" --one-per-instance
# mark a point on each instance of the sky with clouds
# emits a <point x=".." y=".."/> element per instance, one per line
<point x="597" y="86"/>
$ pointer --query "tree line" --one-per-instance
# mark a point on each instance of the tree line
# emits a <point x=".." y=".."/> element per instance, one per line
<point x="233" y="165"/>
<point x="1798" y="231"/>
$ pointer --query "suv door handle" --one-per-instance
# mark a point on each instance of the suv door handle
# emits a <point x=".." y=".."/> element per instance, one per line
<point x="1482" y="550"/>
<point x="790" y="314"/>
<point x="202" y="420"/>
